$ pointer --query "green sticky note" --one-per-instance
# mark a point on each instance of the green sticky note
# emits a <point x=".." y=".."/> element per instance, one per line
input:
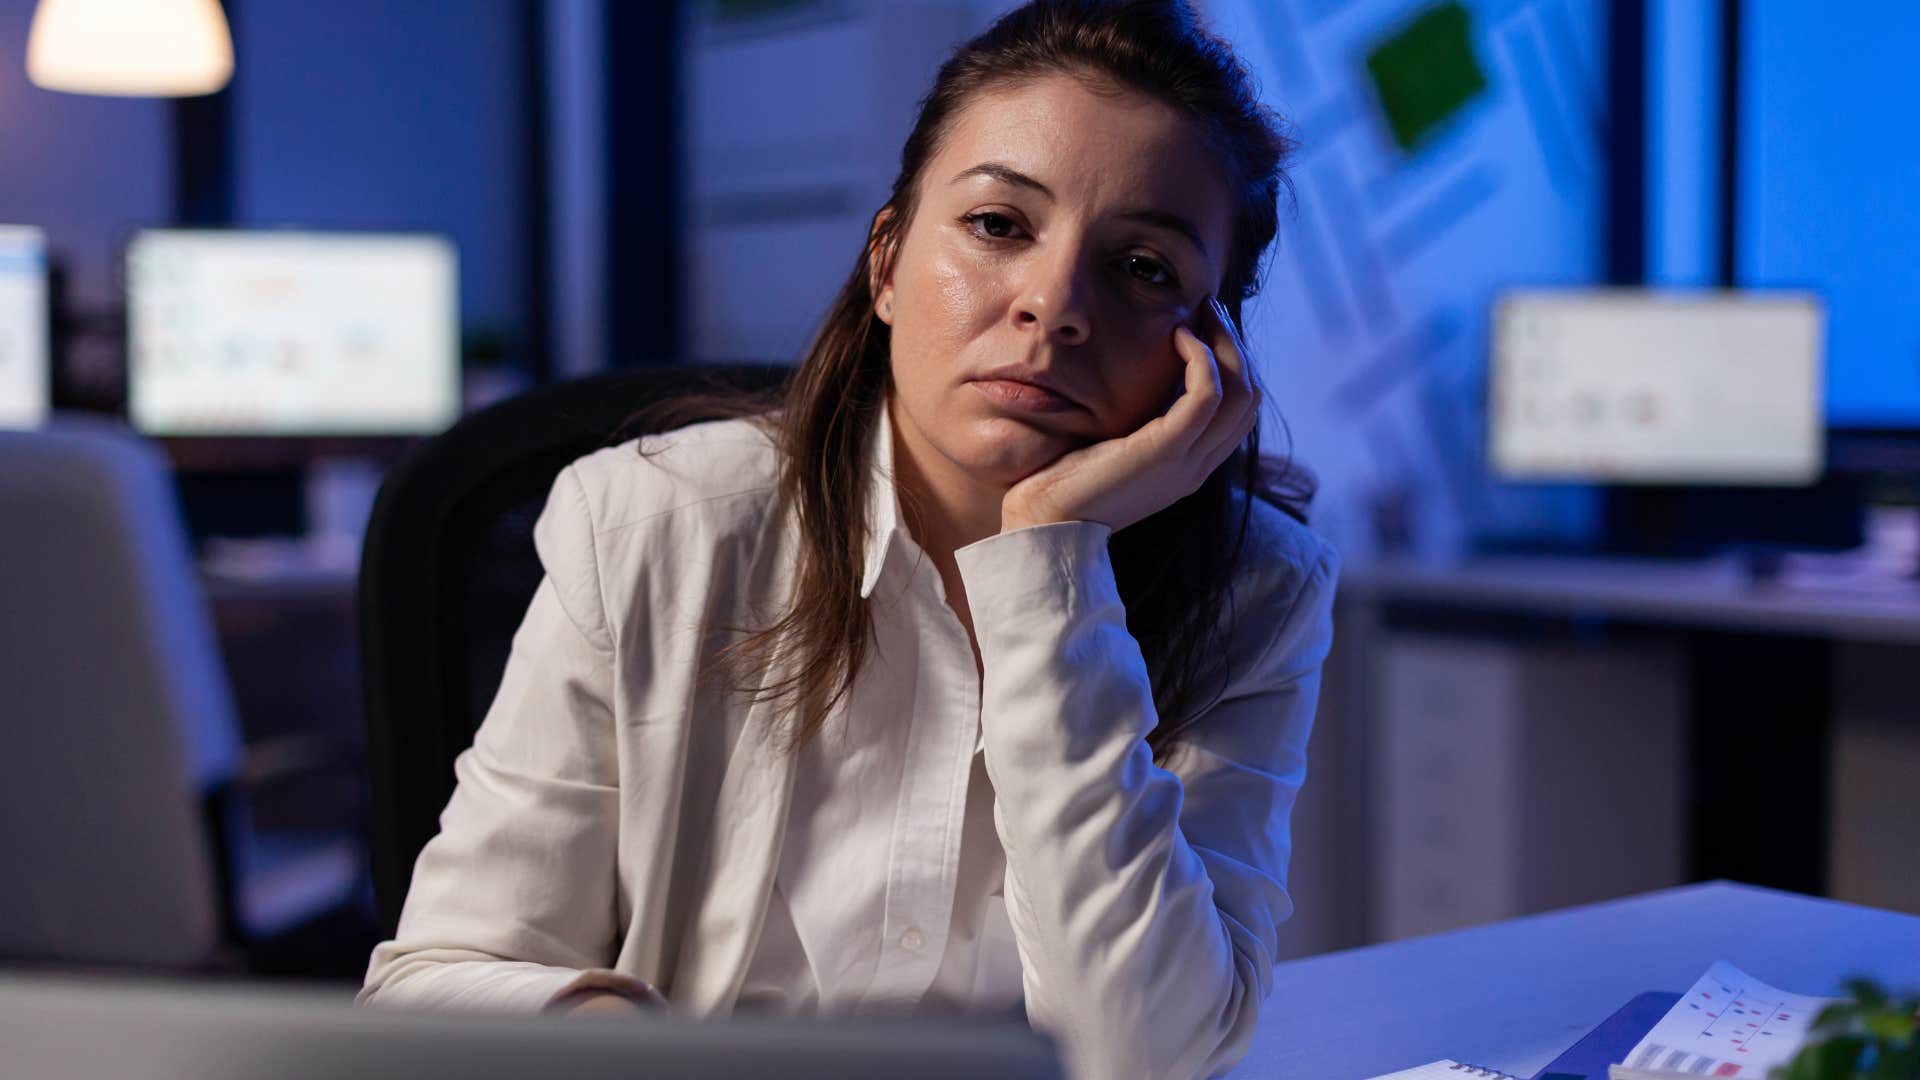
<point x="1426" y="73"/>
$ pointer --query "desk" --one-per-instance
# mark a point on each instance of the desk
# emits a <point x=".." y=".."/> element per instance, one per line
<point x="1514" y="995"/>
<point x="1709" y="593"/>
<point x="1793" y="692"/>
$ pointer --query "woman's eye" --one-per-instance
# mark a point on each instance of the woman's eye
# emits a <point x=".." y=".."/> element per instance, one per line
<point x="991" y="223"/>
<point x="1152" y="271"/>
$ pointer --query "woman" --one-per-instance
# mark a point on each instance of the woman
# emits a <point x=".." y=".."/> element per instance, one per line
<point x="979" y="676"/>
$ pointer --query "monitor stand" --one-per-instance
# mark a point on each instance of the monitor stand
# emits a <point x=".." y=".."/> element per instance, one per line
<point x="241" y="503"/>
<point x="339" y="498"/>
<point x="1693" y="522"/>
<point x="282" y="525"/>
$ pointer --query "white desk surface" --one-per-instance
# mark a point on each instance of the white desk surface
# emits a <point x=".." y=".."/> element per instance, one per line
<point x="1698" y="592"/>
<point x="1515" y="994"/>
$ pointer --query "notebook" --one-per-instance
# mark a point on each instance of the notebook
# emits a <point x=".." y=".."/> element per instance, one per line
<point x="1447" y="1070"/>
<point x="1612" y="1040"/>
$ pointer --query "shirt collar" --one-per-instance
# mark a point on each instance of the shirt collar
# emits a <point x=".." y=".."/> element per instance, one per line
<point x="883" y="501"/>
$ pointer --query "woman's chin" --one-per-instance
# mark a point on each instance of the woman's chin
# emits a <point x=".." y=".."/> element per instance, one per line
<point x="1004" y="451"/>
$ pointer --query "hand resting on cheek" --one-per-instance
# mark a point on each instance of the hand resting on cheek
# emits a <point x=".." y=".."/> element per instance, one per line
<point x="1120" y="481"/>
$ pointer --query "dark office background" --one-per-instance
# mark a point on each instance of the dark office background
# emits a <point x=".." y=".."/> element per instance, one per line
<point x="652" y="183"/>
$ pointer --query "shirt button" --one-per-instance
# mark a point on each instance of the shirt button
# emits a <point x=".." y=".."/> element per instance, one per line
<point x="913" y="940"/>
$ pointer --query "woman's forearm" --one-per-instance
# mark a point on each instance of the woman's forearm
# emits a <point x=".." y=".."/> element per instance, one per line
<point x="1132" y="953"/>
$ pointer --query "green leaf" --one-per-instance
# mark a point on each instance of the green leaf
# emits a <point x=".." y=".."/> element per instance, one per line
<point x="1837" y="1016"/>
<point x="1866" y="991"/>
<point x="1901" y="1065"/>
<point x="1869" y="1035"/>
<point x="1839" y="1057"/>
<point x="1888" y="1025"/>
<point x="1800" y="1068"/>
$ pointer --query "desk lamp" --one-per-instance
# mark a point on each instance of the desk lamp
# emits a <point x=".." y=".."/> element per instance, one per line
<point x="130" y="48"/>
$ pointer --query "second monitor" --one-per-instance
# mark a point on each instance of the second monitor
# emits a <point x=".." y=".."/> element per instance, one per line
<point x="1626" y="386"/>
<point x="242" y="333"/>
<point x="24" y="367"/>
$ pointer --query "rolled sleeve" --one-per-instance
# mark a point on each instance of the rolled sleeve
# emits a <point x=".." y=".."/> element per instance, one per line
<point x="1145" y="897"/>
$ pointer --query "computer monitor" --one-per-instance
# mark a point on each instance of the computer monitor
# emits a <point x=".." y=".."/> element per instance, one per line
<point x="1639" y="387"/>
<point x="234" y="333"/>
<point x="1835" y="213"/>
<point x="24" y="366"/>
<point x="103" y="1027"/>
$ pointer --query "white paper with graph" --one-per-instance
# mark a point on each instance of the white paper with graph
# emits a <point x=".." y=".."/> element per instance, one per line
<point x="1729" y="1024"/>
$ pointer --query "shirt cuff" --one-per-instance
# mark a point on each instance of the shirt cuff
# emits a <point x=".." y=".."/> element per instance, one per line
<point x="1060" y="567"/>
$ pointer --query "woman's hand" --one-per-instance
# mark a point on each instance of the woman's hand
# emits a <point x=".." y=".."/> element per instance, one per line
<point x="594" y="1001"/>
<point x="603" y="1003"/>
<point x="1120" y="481"/>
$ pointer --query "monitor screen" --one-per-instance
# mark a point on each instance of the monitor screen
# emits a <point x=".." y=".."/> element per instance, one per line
<point x="1825" y="165"/>
<point x="291" y="333"/>
<point x="24" y="367"/>
<point x="1637" y="387"/>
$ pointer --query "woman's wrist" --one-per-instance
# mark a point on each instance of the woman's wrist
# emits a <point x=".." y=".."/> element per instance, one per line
<point x="595" y="1002"/>
<point x="1016" y="515"/>
<point x="1010" y="522"/>
<point x="603" y="991"/>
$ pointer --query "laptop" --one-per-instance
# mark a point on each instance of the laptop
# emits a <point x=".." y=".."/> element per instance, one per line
<point x="112" y="1027"/>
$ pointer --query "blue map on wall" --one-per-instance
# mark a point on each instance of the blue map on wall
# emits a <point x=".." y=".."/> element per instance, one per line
<point x="1450" y="150"/>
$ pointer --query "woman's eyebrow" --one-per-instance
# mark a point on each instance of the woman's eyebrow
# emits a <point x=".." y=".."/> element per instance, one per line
<point x="1007" y="174"/>
<point x="1167" y="219"/>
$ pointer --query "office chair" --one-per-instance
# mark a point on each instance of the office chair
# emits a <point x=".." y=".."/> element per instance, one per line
<point x="449" y="569"/>
<point x="125" y="785"/>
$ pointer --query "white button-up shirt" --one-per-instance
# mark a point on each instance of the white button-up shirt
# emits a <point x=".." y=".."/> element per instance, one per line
<point x="619" y="818"/>
<point x="889" y="890"/>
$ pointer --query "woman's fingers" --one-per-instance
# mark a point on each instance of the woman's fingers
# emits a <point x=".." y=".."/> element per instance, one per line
<point x="1223" y="445"/>
<point x="1188" y="421"/>
<point x="1235" y="413"/>
<point x="1230" y="357"/>
<point x="1229" y="349"/>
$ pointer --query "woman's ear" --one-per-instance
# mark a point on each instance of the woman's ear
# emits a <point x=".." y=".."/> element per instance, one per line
<point x="882" y="242"/>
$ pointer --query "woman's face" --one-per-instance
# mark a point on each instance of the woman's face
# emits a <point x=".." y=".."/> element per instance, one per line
<point x="1061" y="235"/>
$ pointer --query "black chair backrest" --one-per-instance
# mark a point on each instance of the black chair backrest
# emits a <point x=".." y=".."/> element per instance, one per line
<point x="448" y="571"/>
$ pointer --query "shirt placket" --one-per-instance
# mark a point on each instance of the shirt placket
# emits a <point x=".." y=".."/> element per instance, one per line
<point x="923" y="866"/>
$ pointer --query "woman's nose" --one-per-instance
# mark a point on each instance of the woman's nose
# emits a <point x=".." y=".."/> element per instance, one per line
<point x="1054" y="299"/>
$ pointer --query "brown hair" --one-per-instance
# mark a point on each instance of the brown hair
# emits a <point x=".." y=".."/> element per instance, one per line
<point x="1174" y="569"/>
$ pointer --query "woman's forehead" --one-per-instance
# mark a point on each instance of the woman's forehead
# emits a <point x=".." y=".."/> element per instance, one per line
<point x="1082" y="143"/>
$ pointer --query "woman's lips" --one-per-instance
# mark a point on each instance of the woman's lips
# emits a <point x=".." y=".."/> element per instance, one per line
<point x="1023" y="397"/>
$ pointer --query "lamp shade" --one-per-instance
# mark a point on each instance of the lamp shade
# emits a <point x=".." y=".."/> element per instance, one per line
<point x="130" y="48"/>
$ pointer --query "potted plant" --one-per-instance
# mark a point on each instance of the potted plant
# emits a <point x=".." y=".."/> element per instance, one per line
<point x="1869" y="1035"/>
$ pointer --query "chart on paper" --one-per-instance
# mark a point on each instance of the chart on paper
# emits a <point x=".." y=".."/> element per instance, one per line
<point x="1729" y="1024"/>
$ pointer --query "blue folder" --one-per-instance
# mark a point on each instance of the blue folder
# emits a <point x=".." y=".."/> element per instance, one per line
<point x="1609" y="1043"/>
